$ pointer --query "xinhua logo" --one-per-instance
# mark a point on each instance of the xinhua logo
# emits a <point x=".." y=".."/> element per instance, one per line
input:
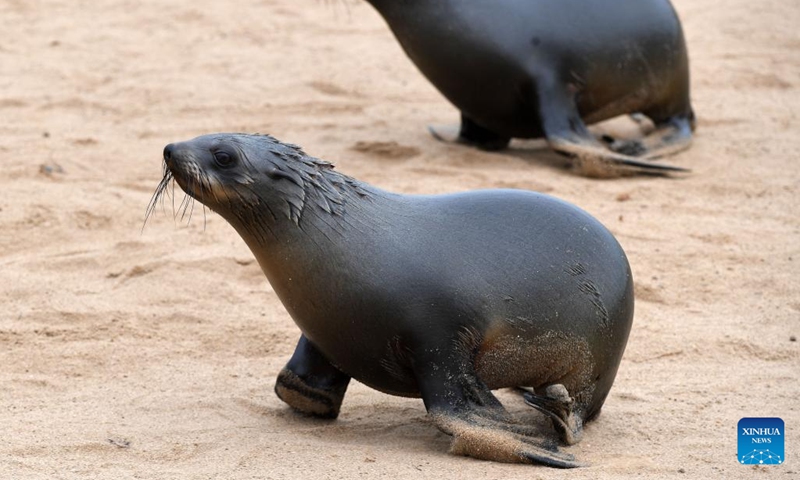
<point x="761" y="441"/>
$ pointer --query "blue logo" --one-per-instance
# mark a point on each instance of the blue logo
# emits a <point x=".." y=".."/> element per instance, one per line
<point x="761" y="441"/>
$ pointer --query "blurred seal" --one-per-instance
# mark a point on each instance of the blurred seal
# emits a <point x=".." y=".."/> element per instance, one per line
<point x="545" y="68"/>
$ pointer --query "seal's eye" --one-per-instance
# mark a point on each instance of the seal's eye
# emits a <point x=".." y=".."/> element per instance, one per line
<point x="223" y="159"/>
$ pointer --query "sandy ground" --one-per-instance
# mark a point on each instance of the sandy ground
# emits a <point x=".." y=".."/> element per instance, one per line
<point x="130" y="354"/>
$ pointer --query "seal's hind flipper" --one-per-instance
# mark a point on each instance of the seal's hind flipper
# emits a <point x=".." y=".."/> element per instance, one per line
<point x="461" y="405"/>
<point x="444" y="133"/>
<point x="643" y="121"/>
<point x="667" y="138"/>
<point x="557" y="404"/>
<point x="567" y="133"/>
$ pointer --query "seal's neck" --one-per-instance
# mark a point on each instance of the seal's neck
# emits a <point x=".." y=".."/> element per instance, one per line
<point x="298" y="252"/>
<point x="296" y="222"/>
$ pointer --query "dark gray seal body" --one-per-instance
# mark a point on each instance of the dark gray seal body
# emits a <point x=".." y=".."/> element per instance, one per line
<point x="444" y="296"/>
<point x="546" y="68"/>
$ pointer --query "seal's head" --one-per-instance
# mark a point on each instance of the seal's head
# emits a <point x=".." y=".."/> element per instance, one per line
<point x="225" y="171"/>
<point x="242" y="176"/>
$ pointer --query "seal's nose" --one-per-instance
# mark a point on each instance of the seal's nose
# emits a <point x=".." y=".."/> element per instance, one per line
<point x="168" y="152"/>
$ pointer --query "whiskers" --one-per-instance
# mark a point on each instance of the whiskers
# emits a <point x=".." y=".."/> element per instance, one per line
<point x="166" y="188"/>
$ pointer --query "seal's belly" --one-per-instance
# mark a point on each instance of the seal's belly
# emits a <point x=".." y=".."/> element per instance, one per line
<point x="508" y="360"/>
<point x="502" y="361"/>
<point x="372" y="353"/>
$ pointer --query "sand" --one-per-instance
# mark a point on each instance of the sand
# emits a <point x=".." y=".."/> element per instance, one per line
<point x="152" y="354"/>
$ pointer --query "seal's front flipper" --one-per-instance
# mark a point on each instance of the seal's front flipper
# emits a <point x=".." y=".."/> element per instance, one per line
<point x="472" y="437"/>
<point x="558" y="405"/>
<point x="567" y="133"/>
<point x="445" y="133"/>
<point x="310" y="384"/>
<point x="470" y="133"/>
<point x="593" y="160"/>
<point x="461" y="405"/>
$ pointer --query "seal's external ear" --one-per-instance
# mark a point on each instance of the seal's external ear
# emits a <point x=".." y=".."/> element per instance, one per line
<point x="277" y="174"/>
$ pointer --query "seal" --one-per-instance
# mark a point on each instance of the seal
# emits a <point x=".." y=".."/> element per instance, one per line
<point x="443" y="297"/>
<point x="543" y="68"/>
